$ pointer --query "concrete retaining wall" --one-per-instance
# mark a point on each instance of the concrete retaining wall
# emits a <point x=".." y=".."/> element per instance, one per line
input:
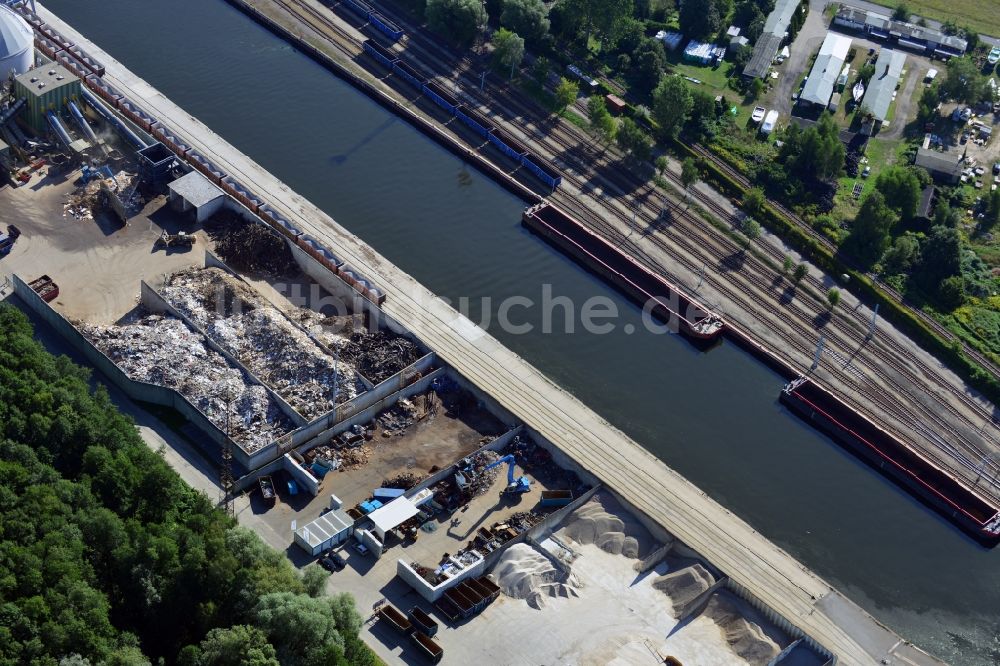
<point x="779" y="621"/>
<point x="140" y="391"/>
<point x="303" y="478"/>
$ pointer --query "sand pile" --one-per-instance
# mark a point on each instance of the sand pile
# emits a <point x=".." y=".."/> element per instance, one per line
<point x="524" y="573"/>
<point x="745" y="638"/>
<point x="684" y="586"/>
<point x="603" y="522"/>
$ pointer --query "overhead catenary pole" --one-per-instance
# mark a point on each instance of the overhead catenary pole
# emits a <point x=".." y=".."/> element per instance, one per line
<point x="871" y="325"/>
<point x="818" y="354"/>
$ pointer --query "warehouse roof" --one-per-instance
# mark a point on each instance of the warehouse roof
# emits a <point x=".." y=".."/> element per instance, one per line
<point x="888" y="69"/>
<point x="41" y="80"/>
<point x="195" y="189"/>
<point x="826" y="69"/>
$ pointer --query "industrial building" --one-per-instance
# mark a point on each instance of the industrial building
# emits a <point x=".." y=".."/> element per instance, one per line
<point x="193" y="192"/>
<point x="775" y="31"/>
<point x="45" y="89"/>
<point x="17" y="44"/>
<point x="331" y="529"/>
<point x="923" y="40"/>
<point x="826" y="70"/>
<point x="878" y="96"/>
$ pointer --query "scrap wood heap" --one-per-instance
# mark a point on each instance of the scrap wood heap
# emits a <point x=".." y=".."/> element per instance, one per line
<point x="163" y="351"/>
<point x="262" y="338"/>
<point x="250" y="246"/>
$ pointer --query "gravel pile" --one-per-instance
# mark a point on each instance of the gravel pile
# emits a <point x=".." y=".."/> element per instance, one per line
<point x="263" y="339"/>
<point x="164" y="351"/>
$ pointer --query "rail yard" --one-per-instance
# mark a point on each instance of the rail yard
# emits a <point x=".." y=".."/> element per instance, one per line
<point x="394" y="442"/>
<point x="884" y="376"/>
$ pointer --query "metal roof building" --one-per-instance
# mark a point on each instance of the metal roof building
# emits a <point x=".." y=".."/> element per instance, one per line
<point x="888" y="69"/>
<point x="194" y="192"/>
<point x="947" y="166"/>
<point x="770" y="40"/>
<point x="17" y="43"/>
<point x="327" y="531"/>
<point x="826" y="69"/>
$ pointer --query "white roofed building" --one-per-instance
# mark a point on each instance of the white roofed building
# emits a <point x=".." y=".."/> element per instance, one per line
<point x="826" y="70"/>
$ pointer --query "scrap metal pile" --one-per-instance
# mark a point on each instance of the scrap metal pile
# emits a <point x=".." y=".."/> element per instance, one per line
<point x="249" y="246"/>
<point x="164" y="351"/>
<point x="347" y="450"/>
<point x="276" y="351"/>
<point x="377" y="355"/>
<point x="86" y="199"/>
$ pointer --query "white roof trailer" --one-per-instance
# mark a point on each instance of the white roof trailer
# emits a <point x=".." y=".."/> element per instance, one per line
<point x="770" y="121"/>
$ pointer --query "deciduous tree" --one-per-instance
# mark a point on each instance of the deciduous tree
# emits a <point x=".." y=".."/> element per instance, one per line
<point x="529" y="18"/>
<point x="869" y="237"/>
<point x="457" y="20"/>
<point x="508" y="50"/>
<point x="671" y="105"/>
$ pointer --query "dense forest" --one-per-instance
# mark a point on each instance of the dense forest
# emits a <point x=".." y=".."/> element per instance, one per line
<point x="108" y="557"/>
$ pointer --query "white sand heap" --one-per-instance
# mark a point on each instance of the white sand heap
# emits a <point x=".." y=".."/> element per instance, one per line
<point x="603" y="522"/>
<point x="524" y="573"/>
<point x="263" y="339"/>
<point x="746" y="638"/>
<point x="684" y="586"/>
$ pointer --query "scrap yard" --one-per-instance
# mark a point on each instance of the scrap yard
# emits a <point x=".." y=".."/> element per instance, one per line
<point x="360" y="424"/>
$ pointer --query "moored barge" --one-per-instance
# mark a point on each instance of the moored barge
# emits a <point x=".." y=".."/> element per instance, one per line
<point x="648" y="289"/>
<point x="892" y="457"/>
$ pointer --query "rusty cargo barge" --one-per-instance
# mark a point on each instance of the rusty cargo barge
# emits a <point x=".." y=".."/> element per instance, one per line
<point x="893" y="458"/>
<point x="644" y="287"/>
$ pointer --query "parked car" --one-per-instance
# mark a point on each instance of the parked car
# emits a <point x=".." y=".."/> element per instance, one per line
<point x="332" y="561"/>
<point x="867" y="172"/>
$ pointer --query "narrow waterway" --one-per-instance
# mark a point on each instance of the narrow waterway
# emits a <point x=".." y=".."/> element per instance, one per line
<point x="714" y="416"/>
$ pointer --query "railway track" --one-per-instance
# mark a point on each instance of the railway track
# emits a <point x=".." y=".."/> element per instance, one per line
<point x="567" y="144"/>
<point x="987" y="364"/>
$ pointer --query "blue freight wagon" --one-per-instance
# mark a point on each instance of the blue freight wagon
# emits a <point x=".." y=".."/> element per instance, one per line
<point x="385" y="26"/>
<point x="537" y="166"/>
<point x="380" y="53"/>
<point x="479" y="123"/>
<point x="360" y="7"/>
<point x="441" y="97"/>
<point x="507" y="145"/>
<point x="408" y="73"/>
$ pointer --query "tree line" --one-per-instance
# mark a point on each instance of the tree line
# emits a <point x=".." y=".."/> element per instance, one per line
<point x="108" y="557"/>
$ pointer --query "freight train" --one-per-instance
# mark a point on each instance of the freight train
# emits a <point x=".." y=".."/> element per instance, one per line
<point x="949" y="496"/>
<point x="479" y="124"/>
<point x="643" y="286"/>
<point x="91" y="72"/>
<point x="375" y="19"/>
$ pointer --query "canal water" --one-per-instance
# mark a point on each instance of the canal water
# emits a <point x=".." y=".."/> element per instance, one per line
<point x="712" y="416"/>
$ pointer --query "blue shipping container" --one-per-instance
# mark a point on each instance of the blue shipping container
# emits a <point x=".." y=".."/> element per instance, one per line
<point x="478" y="124"/>
<point x="385" y="26"/>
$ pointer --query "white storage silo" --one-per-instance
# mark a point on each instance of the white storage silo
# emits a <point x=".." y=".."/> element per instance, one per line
<point x="17" y="44"/>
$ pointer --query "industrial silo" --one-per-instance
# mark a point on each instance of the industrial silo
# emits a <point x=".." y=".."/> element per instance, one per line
<point x="17" y="44"/>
